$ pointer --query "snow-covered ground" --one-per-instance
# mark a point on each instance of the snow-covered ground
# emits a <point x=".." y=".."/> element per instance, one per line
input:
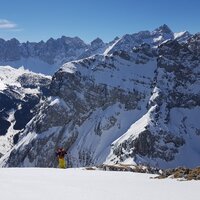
<point x="78" y="184"/>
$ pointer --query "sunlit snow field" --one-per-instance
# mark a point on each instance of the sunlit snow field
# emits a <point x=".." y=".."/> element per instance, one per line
<point x="79" y="184"/>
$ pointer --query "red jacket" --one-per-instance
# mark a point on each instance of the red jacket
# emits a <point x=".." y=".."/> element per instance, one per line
<point x="61" y="153"/>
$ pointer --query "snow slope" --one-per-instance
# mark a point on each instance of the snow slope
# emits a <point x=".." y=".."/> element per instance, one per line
<point x="9" y="76"/>
<point x="20" y="91"/>
<point x="77" y="184"/>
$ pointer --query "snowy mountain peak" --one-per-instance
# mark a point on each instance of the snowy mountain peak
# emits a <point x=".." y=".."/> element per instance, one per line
<point x="164" y="29"/>
<point x="72" y="41"/>
<point x="182" y="37"/>
<point x="154" y="39"/>
<point x="97" y="43"/>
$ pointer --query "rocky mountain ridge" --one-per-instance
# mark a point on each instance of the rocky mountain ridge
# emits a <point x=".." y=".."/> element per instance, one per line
<point x="47" y="57"/>
<point x="136" y="103"/>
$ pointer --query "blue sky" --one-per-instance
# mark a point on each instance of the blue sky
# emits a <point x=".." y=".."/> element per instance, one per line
<point x="36" y="20"/>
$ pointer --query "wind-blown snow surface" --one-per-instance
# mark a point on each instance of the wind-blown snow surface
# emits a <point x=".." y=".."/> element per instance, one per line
<point x="77" y="184"/>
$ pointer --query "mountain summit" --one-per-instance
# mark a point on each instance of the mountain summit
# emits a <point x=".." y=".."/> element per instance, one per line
<point x="55" y="52"/>
<point x="164" y="29"/>
<point x="134" y="101"/>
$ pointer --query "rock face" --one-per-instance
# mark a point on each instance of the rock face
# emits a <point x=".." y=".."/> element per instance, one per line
<point x="20" y="93"/>
<point x="170" y="135"/>
<point x="138" y="103"/>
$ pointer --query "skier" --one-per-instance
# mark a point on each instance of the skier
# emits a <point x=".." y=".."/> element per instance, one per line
<point x="60" y="153"/>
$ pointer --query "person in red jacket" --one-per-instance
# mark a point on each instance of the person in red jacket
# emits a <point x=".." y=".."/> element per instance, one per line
<point x="60" y="153"/>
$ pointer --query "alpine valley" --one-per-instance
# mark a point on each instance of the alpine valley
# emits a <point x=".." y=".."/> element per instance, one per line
<point x="134" y="100"/>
